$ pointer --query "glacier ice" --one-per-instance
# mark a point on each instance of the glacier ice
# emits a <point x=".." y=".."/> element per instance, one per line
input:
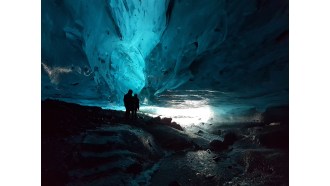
<point x="111" y="37"/>
<point x="98" y="50"/>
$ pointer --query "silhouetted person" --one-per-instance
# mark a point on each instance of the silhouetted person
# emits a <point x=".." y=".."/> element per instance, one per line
<point x="136" y="105"/>
<point x="128" y="102"/>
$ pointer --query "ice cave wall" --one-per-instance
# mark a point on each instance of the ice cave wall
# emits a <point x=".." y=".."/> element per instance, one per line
<point x="100" y="49"/>
<point x="103" y="41"/>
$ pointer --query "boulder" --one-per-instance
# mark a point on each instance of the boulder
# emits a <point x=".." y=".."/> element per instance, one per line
<point x="166" y="121"/>
<point x="230" y="138"/>
<point x="176" y="126"/>
<point x="217" y="145"/>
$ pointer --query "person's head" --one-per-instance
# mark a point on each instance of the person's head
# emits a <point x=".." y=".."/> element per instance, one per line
<point x="130" y="91"/>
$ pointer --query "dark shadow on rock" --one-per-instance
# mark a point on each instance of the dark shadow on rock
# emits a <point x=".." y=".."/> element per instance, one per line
<point x="171" y="139"/>
<point x="135" y="168"/>
<point x="275" y="138"/>
<point x="164" y="121"/>
<point x="230" y="138"/>
<point x="218" y="145"/>
<point x="174" y="183"/>
<point x="276" y="114"/>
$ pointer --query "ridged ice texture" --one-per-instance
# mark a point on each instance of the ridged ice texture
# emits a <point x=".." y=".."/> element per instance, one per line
<point x="100" y="49"/>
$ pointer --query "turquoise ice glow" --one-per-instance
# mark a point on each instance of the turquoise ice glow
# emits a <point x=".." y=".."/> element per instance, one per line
<point x="97" y="50"/>
<point x="126" y="69"/>
<point x="118" y="54"/>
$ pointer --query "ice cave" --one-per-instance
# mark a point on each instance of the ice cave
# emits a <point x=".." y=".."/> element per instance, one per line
<point x="212" y="77"/>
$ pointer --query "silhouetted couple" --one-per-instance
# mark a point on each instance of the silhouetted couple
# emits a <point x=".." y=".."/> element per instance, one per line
<point x="132" y="104"/>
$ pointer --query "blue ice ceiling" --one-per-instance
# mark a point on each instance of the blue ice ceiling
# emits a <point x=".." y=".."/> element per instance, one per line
<point x="100" y="49"/>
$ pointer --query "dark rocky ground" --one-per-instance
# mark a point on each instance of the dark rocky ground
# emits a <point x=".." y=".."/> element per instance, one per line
<point x="90" y="146"/>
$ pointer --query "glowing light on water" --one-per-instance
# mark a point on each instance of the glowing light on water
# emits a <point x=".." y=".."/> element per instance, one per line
<point x="183" y="116"/>
<point x="189" y="108"/>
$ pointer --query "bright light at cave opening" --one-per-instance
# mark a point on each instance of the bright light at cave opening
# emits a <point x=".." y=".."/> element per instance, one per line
<point x="183" y="116"/>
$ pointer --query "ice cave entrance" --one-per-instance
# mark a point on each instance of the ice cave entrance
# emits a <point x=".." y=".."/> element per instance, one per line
<point x="184" y="116"/>
<point x="192" y="107"/>
<point x="185" y="107"/>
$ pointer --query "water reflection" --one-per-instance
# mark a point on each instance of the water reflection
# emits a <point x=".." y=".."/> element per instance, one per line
<point x="185" y="107"/>
<point x="188" y="107"/>
<point x="183" y="116"/>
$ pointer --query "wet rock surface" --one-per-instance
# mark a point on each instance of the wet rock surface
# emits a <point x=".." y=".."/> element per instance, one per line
<point x="91" y="146"/>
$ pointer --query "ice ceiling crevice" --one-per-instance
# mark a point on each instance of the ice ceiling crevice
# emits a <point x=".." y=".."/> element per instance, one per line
<point x="150" y="46"/>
